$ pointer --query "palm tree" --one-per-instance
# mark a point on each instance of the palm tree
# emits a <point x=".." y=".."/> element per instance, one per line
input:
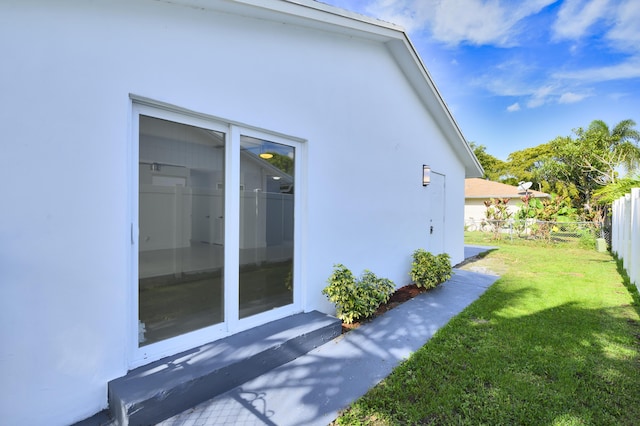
<point x="614" y="148"/>
<point x="608" y="194"/>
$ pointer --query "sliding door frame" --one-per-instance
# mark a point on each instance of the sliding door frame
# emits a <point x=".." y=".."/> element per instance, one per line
<point x="140" y="355"/>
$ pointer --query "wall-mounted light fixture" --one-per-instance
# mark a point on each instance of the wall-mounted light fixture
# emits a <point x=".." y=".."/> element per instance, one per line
<point x="426" y="175"/>
<point x="154" y="167"/>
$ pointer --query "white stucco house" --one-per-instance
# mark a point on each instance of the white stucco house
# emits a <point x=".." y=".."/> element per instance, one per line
<point x="179" y="171"/>
<point x="477" y="191"/>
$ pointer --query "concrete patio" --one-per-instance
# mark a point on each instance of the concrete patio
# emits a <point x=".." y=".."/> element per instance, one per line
<point x="312" y="389"/>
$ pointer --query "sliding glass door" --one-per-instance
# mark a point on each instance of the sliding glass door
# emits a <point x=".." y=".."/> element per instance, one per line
<point x="266" y="225"/>
<point x="215" y="246"/>
<point x="181" y="222"/>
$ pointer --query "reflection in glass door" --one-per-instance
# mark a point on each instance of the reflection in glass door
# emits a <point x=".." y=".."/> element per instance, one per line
<point x="266" y="225"/>
<point x="181" y="226"/>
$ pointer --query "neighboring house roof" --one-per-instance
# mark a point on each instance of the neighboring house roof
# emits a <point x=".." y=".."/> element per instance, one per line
<point x="313" y="14"/>
<point x="482" y="188"/>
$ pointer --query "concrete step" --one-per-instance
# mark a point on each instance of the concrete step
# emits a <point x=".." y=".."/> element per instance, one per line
<point x="155" y="392"/>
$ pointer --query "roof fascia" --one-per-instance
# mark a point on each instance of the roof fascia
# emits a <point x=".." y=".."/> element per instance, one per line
<point x="305" y="13"/>
<point x="313" y="14"/>
<point x="417" y="73"/>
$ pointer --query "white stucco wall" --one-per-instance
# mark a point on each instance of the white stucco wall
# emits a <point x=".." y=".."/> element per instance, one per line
<point x="65" y="256"/>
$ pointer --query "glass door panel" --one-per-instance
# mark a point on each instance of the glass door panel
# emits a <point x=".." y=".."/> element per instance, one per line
<point x="266" y="225"/>
<point x="181" y="229"/>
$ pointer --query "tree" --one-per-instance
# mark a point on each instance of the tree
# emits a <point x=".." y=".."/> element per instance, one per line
<point x="493" y="167"/>
<point x="282" y="162"/>
<point x="593" y="157"/>
<point x="613" y="148"/>
<point x="530" y="165"/>
<point x="608" y="194"/>
<point x="572" y="167"/>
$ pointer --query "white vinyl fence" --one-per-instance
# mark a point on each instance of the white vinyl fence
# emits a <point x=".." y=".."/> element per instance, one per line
<point x="625" y="233"/>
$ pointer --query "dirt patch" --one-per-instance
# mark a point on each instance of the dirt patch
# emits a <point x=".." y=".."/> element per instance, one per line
<point x="398" y="297"/>
<point x="410" y="291"/>
<point x="482" y="265"/>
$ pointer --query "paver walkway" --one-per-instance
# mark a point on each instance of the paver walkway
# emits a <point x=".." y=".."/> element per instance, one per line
<point x="311" y="390"/>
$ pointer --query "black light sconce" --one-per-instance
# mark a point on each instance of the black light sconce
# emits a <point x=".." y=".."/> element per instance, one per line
<point x="426" y="175"/>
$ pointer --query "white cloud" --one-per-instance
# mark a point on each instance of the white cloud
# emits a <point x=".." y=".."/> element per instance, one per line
<point x="509" y="78"/>
<point x="617" y="95"/>
<point x="621" y="71"/>
<point x="576" y="16"/>
<point x="535" y="102"/>
<point x="570" y="97"/>
<point x="478" y="22"/>
<point x="622" y="34"/>
<point x="596" y="31"/>
<point x="625" y="34"/>
<point x="514" y="107"/>
<point x="540" y="96"/>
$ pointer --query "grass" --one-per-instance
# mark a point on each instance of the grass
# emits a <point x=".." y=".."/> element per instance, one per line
<point x="555" y="341"/>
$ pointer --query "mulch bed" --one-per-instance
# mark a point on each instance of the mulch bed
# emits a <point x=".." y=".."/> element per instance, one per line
<point x="398" y="297"/>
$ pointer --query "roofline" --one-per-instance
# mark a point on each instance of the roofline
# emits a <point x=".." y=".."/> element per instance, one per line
<point x="302" y="12"/>
<point x="474" y="169"/>
<point x="313" y="14"/>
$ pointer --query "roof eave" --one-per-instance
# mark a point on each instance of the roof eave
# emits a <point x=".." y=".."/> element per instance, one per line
<point x="313" y="14"/>
<point x="307" y="13"/>
<point x="418" y="74"/>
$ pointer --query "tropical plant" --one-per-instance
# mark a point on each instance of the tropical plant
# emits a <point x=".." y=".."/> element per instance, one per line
<point x="497" y="214"/>
<point x="555" y="208"/>
<point x="608" y="194"/>
<point x="428" y="270"/>
<point x="356" y="298"/>
<point x="539" y="215"/>
<point x="620" y="148"/>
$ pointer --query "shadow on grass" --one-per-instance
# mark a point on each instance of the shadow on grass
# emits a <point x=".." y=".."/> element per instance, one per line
<point x="562" y="365"/>
<point x="633" y="290"/>
<point x="475" y="256"/>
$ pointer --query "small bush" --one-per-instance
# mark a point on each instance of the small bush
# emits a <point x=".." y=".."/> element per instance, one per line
<point x="587" y="238"/>
<point x="428" y="270"/>
<point x="356" y="298"/>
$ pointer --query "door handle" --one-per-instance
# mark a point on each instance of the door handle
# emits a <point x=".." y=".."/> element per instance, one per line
<point x="431" y="229"/>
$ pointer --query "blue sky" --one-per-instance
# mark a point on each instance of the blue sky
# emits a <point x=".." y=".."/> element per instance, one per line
<point x="516" y="74"/>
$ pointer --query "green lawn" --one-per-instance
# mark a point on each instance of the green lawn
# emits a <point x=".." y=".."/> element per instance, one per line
<point x="555" y="341"/>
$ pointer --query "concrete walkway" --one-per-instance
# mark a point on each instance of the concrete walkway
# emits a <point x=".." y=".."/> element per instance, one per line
<point x="311" y="390"/>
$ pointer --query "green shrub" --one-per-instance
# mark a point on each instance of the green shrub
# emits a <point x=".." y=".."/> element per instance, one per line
<point x="587" y="238"/>
<point x="428" y="270"/>
<point x="356" y="298"/>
